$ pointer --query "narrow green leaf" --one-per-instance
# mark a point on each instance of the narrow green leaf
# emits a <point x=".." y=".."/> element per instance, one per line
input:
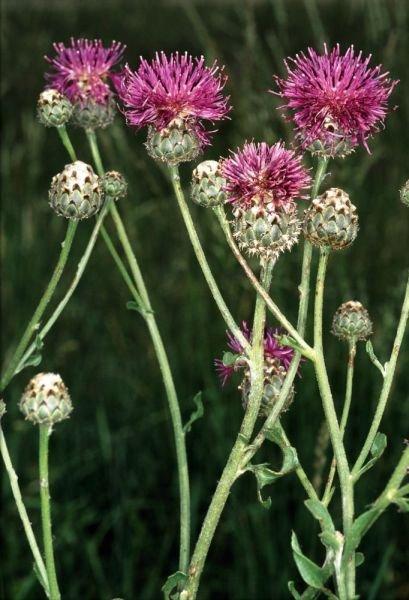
<point x="371" y="353"/>
<point x="196" y="414"/>
<point x="377" y="449"/>
<point x="403" y="504"/>
<point x="39" y="344"/>
<point x="173" y="581"/>
<point x="33" y="361"/>
<point x="265" y="475"/>
<point x="359" y="559"/>
<point x="320" y="512"/>
<point x="132" y="305"/>
<point x="311" y="573"/>
<point x="357" y="531"/>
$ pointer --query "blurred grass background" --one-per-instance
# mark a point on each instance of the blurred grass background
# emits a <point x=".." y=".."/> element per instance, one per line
<point x="114" y="483"/>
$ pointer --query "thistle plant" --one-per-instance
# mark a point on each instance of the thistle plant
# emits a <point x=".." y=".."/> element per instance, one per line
<point x="336" y="101"/>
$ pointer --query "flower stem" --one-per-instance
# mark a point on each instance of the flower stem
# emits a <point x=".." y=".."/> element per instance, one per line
<point x="346" y="481"/>
<point x="200" y="255"/>
<point x="141" y="294"/>
<point x="45" y="432"/>
<point x="34" y="323"/>
<point x="74" y="283"/>
<point x="15" y="488"/>
<point x="232" y="468"/>
<point x="345" y="413"/>
<point x="387" y="385"/>
<point x="62" y="132"/>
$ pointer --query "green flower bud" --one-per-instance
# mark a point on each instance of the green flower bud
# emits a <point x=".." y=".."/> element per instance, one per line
<point x="114" y="185"/>
<point x="404" y="194"/>
<point x="207" y="184"/>
<point x="75" y="193"/>
<point x="351" y="322"/>
<point x="46" y="400"/>
<point x="174" y="144"/>
<point x="53" y="109"/>
<point x="92" y="115"/>
<point x="331" y="220"/>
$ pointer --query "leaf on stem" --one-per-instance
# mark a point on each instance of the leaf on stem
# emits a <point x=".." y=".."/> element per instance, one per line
<point x="371" y="353"/>
<point x="196" y="414"/>
<point x="320" y="512"/>
<point x="264" y="475"/>
<point x="132" y="305"/>
<point x="311" y="573"/>
<point x="356" y="532"/>
<point x="173" y="581"/>
<point x="377" y="449"/>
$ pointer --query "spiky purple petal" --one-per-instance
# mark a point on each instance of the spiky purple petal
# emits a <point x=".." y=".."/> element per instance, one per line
<point x="263" y="174"/>
<point x="83" y="70"/>
<point x="334" y="95"/>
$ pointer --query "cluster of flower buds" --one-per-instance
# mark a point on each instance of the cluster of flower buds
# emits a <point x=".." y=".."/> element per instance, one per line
<point x="351" y="322"/>
<point x="331" y="220"/>
<point x="46" y="400"/>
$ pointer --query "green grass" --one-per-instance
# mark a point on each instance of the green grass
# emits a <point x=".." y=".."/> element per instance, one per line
<point x="113" y="478"/>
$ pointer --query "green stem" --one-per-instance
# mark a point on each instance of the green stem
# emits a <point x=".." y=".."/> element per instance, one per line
<point x="74" y="283"/>
<point x="345" y="413"/>
<point x="34" y="323"/>
<point x="306" y="350"/>
<point x="232" y="468"/>
<point x="62" y="132"/>
<point x="45" y="432"/>
<point x="387" y="385"/>
<point x="15" y="488"/>
<point x="173" y="402"/>
<point x="200" y="255"/>
<point x="346" y="482"/>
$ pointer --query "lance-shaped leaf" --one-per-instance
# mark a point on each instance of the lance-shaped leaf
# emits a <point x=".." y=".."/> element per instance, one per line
<point x="311" y="573"/>
<point x="356" y="532"/>
<point x="377" y="449"/>
<point x="320" y="512"/>
<point x="196" y="414"/>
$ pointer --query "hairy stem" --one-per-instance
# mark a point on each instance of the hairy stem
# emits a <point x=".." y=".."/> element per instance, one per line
<point x="232" y="468"/>
<point x="62" y="132"/>
<point x="45" y="432"/>
<point x="387" y="384"/>
<point x="346" y="482"/>
<point x="345" y="413"/>
<point x="202" y="260"/>
<point x="15" y="488"/>
<point x="34" y="323"/>
<point x="173" y="402"/>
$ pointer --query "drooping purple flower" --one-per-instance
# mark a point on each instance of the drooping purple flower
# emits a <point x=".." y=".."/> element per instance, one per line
<point x="272" y="350"/>
<point x="268" y="176"/>
<point x="336" y="100"/>
<point x="83" y="70"/>
<point x="174" y="87"/>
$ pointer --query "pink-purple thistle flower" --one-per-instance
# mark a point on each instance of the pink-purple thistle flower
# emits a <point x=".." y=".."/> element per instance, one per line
<point x="337" y="101"/>
<point x="174" y="88"/>
<point x="83" y="71"/>
<point x="272" y="350"/>
<point x="268" y="176"/>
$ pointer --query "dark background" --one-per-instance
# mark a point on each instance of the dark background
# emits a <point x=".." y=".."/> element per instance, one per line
<point x="114" y="483"/>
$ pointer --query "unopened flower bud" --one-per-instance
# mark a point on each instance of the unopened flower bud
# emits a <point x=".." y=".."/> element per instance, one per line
<point x="174" y="144"/>
<point x="53" y="109"/>
<point x="46" y="400"/>
<point x="351" y="322"/>
<point x="266" y="233"/>
<point x="404" y="194"/>
<point x="208" y="184"/>
<point x="331" y="220"/>
<point x="94" y="115"/>
<point x="113" y="185"/>
<point x="75" y="193"/>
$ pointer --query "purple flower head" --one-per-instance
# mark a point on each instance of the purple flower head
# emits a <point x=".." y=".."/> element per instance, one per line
<point x="335" y="97"/>
<point x="265" y="175"/>
<point x="83" y="70"/>
<point x="272" y="350"/>
<point x="174" y="87"/>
